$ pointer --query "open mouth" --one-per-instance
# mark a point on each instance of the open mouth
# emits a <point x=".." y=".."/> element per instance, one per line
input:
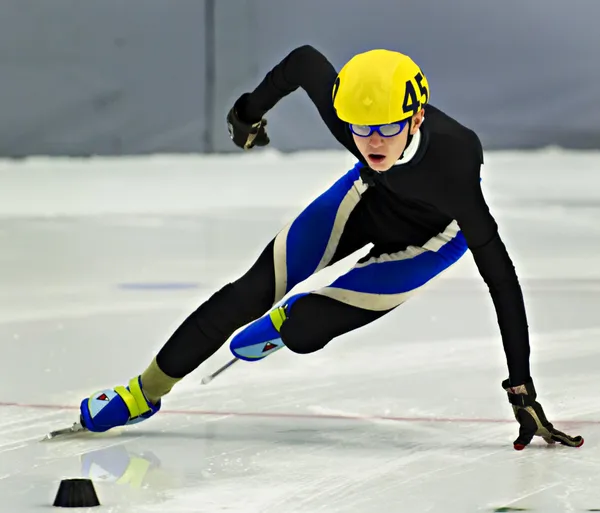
<point x="376" y="157"/>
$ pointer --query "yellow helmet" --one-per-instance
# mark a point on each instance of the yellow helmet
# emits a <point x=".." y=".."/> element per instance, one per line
<point x="379" y="87"/>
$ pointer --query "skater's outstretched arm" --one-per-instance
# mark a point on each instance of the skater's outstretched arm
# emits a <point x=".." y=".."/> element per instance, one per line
<point x="473" y="215"/>
<point x="468" y="206"/>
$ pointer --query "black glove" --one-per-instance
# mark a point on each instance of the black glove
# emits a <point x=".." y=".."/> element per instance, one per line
<point x="531" y="417"/>
<point x="245" y="134"/>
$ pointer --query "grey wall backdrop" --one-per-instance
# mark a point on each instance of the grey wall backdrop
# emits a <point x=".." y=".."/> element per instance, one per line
<point x="144" y="76"/>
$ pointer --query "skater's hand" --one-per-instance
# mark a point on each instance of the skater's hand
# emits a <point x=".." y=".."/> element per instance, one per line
<point x="531" y="418"/>
<point x="246" y="133"/>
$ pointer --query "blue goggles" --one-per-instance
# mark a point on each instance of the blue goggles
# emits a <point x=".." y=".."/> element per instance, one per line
<point x="387" y="130"/>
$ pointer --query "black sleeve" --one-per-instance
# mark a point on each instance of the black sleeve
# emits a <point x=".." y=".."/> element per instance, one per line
<point x="480" y="230"/>
<point x="304" y="67"/>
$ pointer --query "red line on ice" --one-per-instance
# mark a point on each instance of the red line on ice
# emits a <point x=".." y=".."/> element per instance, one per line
<point x="305" y="415"/>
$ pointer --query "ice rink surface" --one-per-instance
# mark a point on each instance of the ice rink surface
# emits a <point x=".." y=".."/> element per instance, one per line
<point x="102" y="259"/>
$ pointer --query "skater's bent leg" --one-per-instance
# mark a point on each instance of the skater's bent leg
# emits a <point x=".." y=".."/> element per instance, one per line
<point x="315" y="320"/>
<point x="377" y="284"/>
<point x="306" y="323"/>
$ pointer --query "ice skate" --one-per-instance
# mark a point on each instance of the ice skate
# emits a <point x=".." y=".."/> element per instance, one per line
<point x="120" y="406"/>
<point x="261" y="338"/>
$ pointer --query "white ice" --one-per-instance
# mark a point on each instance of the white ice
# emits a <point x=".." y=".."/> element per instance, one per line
<point x="404" y="415"/>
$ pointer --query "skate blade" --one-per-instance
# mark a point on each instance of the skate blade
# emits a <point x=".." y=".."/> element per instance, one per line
<point x="75" y="429"/>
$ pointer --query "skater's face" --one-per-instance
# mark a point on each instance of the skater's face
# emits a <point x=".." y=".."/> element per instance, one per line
<point x="381" y="153"/>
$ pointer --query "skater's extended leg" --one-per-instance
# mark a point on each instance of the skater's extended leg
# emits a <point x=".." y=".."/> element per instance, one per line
<point x="197" y="338"/>
<point x="329" y="229"/>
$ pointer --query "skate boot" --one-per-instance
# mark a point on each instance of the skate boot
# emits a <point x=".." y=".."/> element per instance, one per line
<point x="120" y="406"/>
<point x="261" y="338"/>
